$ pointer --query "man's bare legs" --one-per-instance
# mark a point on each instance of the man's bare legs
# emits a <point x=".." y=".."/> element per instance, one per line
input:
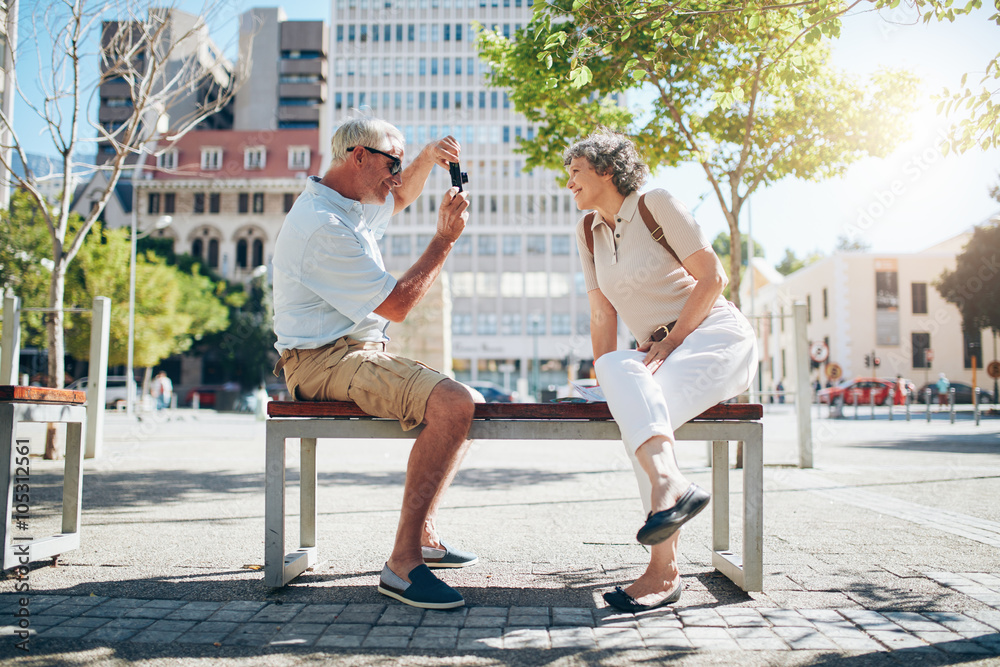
<point x="656" y="456"/>
<point x="434" y="460"/>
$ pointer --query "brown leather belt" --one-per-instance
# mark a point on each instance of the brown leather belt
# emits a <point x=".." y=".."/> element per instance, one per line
<point x="660" y="332"/>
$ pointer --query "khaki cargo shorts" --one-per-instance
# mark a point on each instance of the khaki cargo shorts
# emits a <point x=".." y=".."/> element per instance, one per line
<point x="381" y="384"/>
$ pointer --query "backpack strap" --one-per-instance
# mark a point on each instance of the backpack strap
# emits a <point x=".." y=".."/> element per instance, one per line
<point x="588" y="232"/>
<point x="655" y="230"/>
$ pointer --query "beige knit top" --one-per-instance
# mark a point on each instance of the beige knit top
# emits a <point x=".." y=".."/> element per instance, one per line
<point x="645" y="284"/>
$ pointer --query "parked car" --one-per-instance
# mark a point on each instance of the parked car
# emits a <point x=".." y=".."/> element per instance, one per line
<point x="117" y="389"/>
<point x="206" y="395"/>
<point x="963" y="393"/>
<point x="491" y="392"/>
<point x="860" y="390"/>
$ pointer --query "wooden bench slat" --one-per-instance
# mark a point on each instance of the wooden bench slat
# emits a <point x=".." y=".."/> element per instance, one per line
<point x="41" y="395"/>
<point x="591" y="411"/>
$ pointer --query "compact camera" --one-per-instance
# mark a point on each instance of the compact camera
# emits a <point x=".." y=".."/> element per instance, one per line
<point x="458" y="177"/>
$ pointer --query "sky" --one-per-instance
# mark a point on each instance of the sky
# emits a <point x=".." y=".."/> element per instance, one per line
<point x="905" y="202"/>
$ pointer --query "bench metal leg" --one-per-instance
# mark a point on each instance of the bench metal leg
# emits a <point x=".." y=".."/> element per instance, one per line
<point x="753" y="509"/>
<point x="720" y="495"/>
<point x="307" y="493"/>
<point x="36" y="549"/>
<point x="280" y="568"/>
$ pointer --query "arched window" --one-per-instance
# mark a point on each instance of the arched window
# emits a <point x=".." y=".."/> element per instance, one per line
<point x="197" y="248"/>
<point x="213" y="253"/>
<point x="258" y="252"/>
<point x="241" y="254"/>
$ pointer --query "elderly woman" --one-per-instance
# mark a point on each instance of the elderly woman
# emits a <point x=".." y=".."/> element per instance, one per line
<point x="697" y="349"/>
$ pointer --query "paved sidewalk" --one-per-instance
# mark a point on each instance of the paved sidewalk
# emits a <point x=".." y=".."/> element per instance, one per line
<point x="885" y="553"/>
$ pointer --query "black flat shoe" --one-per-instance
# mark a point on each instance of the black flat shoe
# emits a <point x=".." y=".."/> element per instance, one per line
<point x="663" y="524"/>
<point x="622" y="601"/>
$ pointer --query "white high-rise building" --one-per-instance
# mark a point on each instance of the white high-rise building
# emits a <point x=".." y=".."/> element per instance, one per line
<point x="514" y="277"/>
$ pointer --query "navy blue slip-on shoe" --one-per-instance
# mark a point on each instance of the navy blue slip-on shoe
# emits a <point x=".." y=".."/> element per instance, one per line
<point x="424" y="590"/>
<point x="621" y="600"/>
<point x="447" y="557"/>
<point x="662" y="525"/>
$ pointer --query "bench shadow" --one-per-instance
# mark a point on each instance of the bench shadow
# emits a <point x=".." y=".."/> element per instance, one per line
<point x="128" y="490"/>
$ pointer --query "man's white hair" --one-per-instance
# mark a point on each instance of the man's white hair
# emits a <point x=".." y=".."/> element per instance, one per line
<point x="371" y="132"/>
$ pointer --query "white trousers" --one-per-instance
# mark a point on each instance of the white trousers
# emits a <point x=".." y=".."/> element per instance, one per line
<point x="716" y="362"/>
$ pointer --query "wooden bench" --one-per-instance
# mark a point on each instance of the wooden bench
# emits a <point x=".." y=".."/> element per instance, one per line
<point x="38" y="404"/>
<point x="307" y="421"/>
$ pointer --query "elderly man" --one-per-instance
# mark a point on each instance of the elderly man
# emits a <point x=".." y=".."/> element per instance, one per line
<point x="333" y="301"/>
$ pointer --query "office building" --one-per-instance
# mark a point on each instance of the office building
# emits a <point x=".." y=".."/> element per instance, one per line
<point x="516" y="289"/>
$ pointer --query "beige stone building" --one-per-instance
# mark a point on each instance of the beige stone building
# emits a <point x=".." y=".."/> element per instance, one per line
<point x="860" y="304"/>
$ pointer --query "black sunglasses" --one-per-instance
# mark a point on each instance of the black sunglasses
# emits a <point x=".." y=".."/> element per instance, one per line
<point x="395" y="166"/>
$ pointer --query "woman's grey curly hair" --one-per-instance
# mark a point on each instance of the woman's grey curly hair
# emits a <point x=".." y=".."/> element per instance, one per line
<point x="614" y="153"/>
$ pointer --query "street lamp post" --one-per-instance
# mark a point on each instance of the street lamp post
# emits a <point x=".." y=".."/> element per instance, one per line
<point x="161" y="223"/>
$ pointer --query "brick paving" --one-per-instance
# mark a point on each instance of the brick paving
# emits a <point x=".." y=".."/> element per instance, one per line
<point x="103" y="620"/>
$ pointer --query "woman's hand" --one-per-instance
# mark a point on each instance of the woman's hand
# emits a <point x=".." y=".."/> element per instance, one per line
<point x="656" y="352"/>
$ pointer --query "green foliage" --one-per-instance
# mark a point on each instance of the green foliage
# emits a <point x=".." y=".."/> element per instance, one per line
<point x="721" y="247"/>
<point x="845" y="243"/>
<point x="790" y="263"/>
<point x="25" y="250"/>
<point x="974" y="285"/>
<point x="748" y="94"/>
<point x="172" y="308"/>
<point x="245" y="349"/>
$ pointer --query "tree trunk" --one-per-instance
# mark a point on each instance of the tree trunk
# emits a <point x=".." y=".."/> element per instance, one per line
<point x="735" y="261"/>
<point x="57" y="350"/>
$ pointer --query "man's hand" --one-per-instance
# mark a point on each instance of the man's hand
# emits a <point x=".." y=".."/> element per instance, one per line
<point x="656" y="352"/>
<point x="453" y="215"/>
<point x="444" y="151"/>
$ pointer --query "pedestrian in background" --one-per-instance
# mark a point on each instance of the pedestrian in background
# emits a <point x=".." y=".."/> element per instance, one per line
<point x="943" y="385"/>
<point x="162" y="389"/>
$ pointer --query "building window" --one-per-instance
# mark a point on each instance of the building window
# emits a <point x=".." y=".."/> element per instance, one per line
<point x="463" y="246"/>
<point x="561" y="324"/>
<point x="920" y="343"/>
<point x="289" y="201"/>
<point x="167" y="159"/>
<point x="298" y="158"/>
<point x="510" y="324"/>
<point x="536" y="244"/>
<point x="199" y="202"/>
<point x="401" y="246"/>
<point x="211" y="158"/>
<point x="560" y="244"/>
<point x="153" y="202"/>
<point x="919" y="292"/>
<point x="241" y="254"/>
<point x="214" y="202"/>
<point x="254" y="157"/>
<point x="244" y="203"/>
<point x="511" y="245"/>
<point x="486" y="324"/>
<point x="213" y="253"/>
<point x="258" y="252"/>
<point x="258" y="202"/>
<point x="487" y="244"/>
<point x="169" y="201"/>
<point x="461" y="324"/>
<point x="826" y="305"/>
<point x="972" y="346"/>
<point x="536" y="325"/>
<point x="583" y="324"/>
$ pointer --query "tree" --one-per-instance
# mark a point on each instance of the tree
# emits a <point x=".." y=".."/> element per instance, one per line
<point x="159" y="58"/>
<point x="172" y="308"/>
<point x="974" y="285"/>
<point x="745" y="94"/>
<point x="790" y="263"/>
<point x="24" y="263"/>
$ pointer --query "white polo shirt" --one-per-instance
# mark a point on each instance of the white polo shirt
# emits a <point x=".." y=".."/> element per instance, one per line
<point x="329" y="276"/>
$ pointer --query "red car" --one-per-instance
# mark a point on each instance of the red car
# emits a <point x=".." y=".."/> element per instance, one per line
<point x="861" y="390"/>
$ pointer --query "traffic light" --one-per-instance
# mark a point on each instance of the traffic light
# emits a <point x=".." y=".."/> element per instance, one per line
<point x="868" y="361"/>
<point x="876" y="361"/>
